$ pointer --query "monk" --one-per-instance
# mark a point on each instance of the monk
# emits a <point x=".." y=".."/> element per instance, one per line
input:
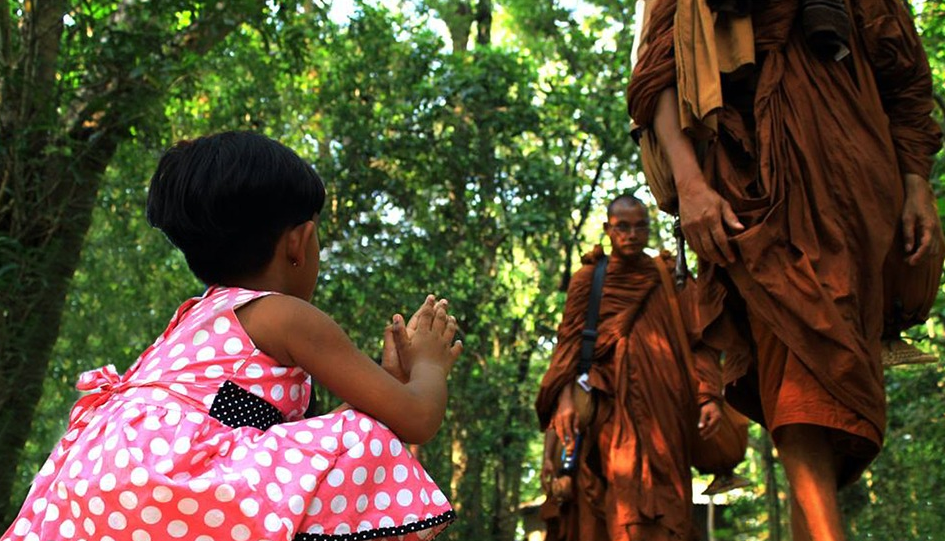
<point x="634" y="479"/>
<point x="794" y="138"/>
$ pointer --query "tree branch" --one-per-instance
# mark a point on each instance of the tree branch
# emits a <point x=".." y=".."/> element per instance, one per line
<point x="6" y="41"/>
<point x="484" y="23"/>
<point x="43" y="37"/>
<point x="595" y="181"/>
<point x="571" y="241"/>
<point x="458" y="20"/>
<point x="211" y="29"/>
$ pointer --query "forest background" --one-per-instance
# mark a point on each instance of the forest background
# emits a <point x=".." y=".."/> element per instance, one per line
<point x="468" y="147"/>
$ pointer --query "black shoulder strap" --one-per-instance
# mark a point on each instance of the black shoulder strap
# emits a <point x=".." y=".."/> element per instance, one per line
<point x="589" y="334"/>
<point x="682" y="270"/>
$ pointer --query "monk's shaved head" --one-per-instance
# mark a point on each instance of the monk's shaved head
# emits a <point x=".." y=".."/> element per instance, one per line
<point x="625" y="199"/>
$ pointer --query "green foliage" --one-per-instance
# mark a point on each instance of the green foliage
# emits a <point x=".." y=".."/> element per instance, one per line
<point x="888" y="503"/>
<point x="477" y="173"/>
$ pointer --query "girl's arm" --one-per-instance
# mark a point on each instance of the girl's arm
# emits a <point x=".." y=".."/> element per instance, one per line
<point x="295" y="333"/>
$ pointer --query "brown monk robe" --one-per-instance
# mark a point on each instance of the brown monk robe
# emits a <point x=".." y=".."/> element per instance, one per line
<point x="810" y="169"/>
<point x="634" y="480"/>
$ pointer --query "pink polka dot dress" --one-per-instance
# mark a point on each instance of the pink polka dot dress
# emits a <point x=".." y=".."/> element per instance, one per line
<point x="204" y="439"/>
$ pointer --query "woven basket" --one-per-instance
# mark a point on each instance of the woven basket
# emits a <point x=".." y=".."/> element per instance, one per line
<point x="898" y="352"/>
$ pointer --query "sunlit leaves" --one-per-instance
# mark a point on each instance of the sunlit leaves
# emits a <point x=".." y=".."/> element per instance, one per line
<point x="478" y="174"/>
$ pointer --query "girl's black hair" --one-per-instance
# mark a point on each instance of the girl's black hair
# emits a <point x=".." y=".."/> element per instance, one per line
<point x="225" y="199"/>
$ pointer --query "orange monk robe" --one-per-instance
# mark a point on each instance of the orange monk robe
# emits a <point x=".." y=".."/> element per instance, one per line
<point x="810" y="154"/>
<point x="636" y="467"/>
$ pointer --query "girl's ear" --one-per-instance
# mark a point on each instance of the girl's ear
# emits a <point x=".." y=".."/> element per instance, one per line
<point x="296" y="242"/>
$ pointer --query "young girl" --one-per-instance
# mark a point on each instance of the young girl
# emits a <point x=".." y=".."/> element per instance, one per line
<point x="203" y="438"/>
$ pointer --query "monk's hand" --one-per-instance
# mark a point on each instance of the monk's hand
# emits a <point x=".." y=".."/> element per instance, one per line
<point x="704" y="216"/>
<point x="921" y="228"/>
<point x="710" y="417"/>
<point x="395" y="338"/>
<point x="565" y="419"/>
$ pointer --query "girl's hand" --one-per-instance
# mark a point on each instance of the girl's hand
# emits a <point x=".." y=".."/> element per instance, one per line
<point x="390" y="357"/>
<point x="428" y="337"/>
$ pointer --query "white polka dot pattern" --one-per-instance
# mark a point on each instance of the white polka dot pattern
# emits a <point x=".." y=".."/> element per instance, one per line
<point x="144" y="459"/>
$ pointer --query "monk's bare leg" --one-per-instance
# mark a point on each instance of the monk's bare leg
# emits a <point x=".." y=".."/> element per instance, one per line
<point x="811" y="468"/>
<point x="799" y="531"/>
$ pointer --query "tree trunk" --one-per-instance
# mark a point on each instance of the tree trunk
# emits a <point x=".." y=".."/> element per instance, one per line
<point x="33" y="305"/>
<point x="458" y="17"/>
<point x="53" y="157"/>
<point x="514" y="443"/>
<point x="772" y="498"/>
<point x="484" y="23"/>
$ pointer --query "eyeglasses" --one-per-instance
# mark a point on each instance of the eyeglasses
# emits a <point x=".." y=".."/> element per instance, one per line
<point x="625" y="229"/>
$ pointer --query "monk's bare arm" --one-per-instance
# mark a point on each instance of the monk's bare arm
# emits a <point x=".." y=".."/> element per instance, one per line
<point x="703" y="213"/>
<point x="564" y="422"/>
<point x="675" y="143"/>
<point x="904" y="80"/>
